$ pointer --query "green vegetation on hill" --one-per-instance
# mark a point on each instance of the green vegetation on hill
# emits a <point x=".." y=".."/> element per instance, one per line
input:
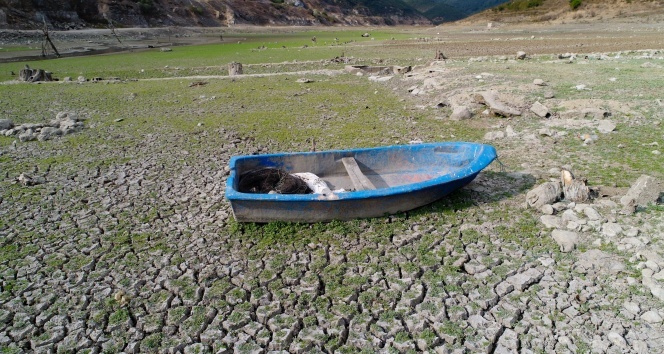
<point x="519" y="5"/>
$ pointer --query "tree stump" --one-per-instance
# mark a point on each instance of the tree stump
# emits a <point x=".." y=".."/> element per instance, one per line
<point x="234" y="69"/>
<point x="34" y="75"/>
<point x="574" y="190"/>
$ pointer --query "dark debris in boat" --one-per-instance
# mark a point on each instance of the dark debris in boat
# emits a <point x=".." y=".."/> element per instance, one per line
<point x="266" y="180"/>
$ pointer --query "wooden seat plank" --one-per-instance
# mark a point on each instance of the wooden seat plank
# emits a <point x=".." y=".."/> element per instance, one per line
<point x="360" y="181"/>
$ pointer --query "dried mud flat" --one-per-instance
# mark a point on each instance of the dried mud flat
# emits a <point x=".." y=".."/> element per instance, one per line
<point x="143" y="255"/>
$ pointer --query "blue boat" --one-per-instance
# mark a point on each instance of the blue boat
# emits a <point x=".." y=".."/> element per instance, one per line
<point x="377" y="181"/>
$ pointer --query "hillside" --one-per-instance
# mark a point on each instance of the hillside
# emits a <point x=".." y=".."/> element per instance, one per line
<point x="560" y="11"/>
<point x="76" y="14"/>
<point x="71" y="14"/>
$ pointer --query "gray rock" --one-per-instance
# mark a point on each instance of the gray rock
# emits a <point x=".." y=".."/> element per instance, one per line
<point x="651" y="317"/>
<point x="606" y="126"/>
<point x="567" y="240"/>
<point x="592" y="214"/>
<point x="494" y="135"/>
<point x="632" y="307"/>
<point x="6" y="124"/>
<point x="547" y="209"/>
<point x="617" y="340"/>
<point x="461" y="113"/>
<point x="81" y="78"/>
<point x="27" y="136"/>
<point x="611" y="229"/>
<point x="47" y="133"/>
<point x="523" y="280"/>
<point x="552" y="222"/>
<point x="539" y="82"/>
<point x="540" y="110"/>
<point x="646" y="190"/>
<point x="521" y="55"/>
<point x="596" y="260"/>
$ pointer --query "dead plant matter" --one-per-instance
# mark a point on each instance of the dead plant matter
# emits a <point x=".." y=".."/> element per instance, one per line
<point x="268" y="179"/>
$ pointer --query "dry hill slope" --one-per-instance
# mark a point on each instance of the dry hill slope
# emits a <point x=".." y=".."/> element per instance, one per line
<point x="560" y="11"/>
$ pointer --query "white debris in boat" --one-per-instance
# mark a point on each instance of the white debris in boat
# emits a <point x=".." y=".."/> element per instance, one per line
<point x="315" y="183"/>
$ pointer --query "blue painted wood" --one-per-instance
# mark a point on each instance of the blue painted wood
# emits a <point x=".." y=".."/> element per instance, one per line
<point x="405" y="176"/>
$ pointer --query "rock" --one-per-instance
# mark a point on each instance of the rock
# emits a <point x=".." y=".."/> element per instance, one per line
<point x="304" y="80"/>
<point x="520" y="55"/>
<point x="81" y="79"/>
<point x="523" y="280"/>
<point x="552" y="222"/>
<point x="595" y="260"/>
<point x="539" y="82"/>
<point x="461" y="113"/>
<point x="617" y="340"/>
<point x="567" y="240"/>
<point x="48" y="132"/>
<point x="490" y="99"/>
<point x="546" y="193"/>
<point x="540" y="110"/>
<point x="646" y="190"/>
<point x="651" y="317"/>
<point x="547" y="209"/>
<point x="632" y="307"/>
<point x="591" y="213"/>
<point x="28" y="180"/>
<point x="166" y="49"/>
<point x="6" y="124"/>
<point x="27" y="136"/>
<point x="611" y="229"/>
<point x="494" y="135"/>
<point x="606" y="126"/>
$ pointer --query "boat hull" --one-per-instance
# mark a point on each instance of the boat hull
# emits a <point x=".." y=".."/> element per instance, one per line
<point x="406" y="177"/>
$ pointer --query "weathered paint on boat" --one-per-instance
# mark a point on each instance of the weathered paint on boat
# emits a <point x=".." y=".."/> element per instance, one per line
<point x="405" y="177"/>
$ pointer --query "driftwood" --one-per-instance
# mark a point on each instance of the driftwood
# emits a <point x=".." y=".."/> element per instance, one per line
<point x="546" y="193"/>
<point x="574" y="190"/>
<point x="234" y="69"/>
<point x="34" y="75"/>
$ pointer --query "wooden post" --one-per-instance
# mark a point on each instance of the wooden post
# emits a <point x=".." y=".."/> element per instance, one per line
<point x="234" y="69"/>
<point x="48" y="39"/>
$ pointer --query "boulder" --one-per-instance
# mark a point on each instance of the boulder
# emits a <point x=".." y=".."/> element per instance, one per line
<point x="567" y="240"/>
<point x="6" y="124"/>
<point x="521" y="55"/>
<point x="540" y="110"/>
<point x="461" y="113"/>
<point x="496" y="107"/>
<point x="646" y="190"/>
<point x="606" y="126"/>
<point x="47" y="133"/>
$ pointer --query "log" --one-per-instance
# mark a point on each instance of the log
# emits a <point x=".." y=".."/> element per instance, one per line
<point x="546" y="193"/>
<point x="234" y="69"/>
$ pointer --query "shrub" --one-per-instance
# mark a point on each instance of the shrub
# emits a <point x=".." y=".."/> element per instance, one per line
<point x="574" y="4"/>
